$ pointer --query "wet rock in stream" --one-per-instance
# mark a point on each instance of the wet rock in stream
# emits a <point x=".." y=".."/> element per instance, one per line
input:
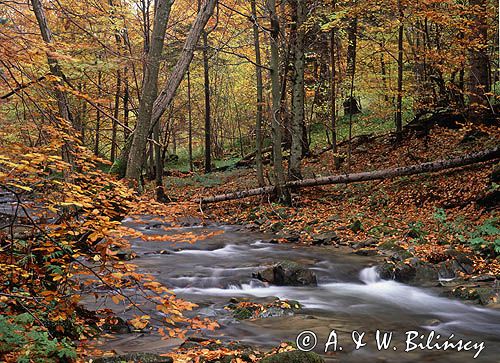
<point x="327" y="238"/>
<point x="243" y="310"/>
<point x="135" y="358"/>
<point x="295" y="356"/>
<point x="287" y="273"/>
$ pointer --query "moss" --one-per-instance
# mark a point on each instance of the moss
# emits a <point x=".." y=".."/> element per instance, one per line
<point x="136" y="358"/>
<point x="295" y="356"/>
<point x="356" y="226"/>
<point x="118" y="168"/>
<point x="242" y="313"/>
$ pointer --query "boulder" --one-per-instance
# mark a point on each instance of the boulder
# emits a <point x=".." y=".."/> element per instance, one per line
<point x="413" y="272"/>
<point x="295" y="356"/>
<point x="461" y="261"/>
<point x="405" y="273"/>
<point x="356" y="226"/>
<point x="326" y="238"/>
<point x="125" y="254"/>
<point x="370" y="242"/>
<point x="287" y="273"/>
<point x="488" y="294"/>
<point x="366" y="252"/>
<point x="116" y="325"/>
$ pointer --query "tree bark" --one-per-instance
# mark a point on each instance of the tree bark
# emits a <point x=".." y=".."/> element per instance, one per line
<point x="160" y="191"/>
<point x="333" y="95"/>
<point x="283" y="193"/>
<point x="260" y="98"/>
<point x="479" y="83"/>
<point x="54" y="66"/>
<point x="116" y="114"/>
<point x="98" y="116"/>
<point x="182" y="65"/>
<point x="208" y="126"/>
<point x="399" y="103"/>
<point x="190" y="123"/>
<point x="430" y="167"/>
<point x="294" y="172"/>
<point x="351" y="69"/>
<point x="149" y="92"/>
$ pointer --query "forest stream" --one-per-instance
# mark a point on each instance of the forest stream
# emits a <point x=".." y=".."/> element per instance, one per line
<point x="350" y="296"/>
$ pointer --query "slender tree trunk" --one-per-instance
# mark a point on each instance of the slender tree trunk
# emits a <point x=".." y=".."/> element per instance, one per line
<point x="190" y="123"/>
<point x="83" y="120"/>
<point x="160" y="191"/>
<point x="206" y="75"/>
<point x="55" y="69"/>
<point x="116" y="107"/>
<point x="149" y="92"/>
<point x="260" y="99"/>
<point x="116" y="114"/>
<point x="54" y="66"/>
<point x="351" y="69"/>
<point x="98" y="116"/>
<point x="126" y="97"/>
<point x="279" y="173"/>
<point x="383" y="73"/>
<point x="333" y="93"/>
<point x="294" y="172"/>
<point x="399" y="103"/>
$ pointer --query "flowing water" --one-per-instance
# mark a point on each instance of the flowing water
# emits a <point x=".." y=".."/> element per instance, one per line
<point x="349" y="297"/>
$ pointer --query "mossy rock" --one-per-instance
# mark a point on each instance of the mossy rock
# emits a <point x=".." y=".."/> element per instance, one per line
<point x="356" y="226"/>
<point x="295" y="356"/>
<point x="242" y="313"/>
<point x="135" y="358"/>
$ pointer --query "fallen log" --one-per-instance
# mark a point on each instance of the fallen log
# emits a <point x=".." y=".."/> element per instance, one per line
<point x="433" y="166"/>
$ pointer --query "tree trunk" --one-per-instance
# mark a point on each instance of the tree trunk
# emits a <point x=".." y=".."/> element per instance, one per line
<point x="149" y="92"/>
<point x="160" y="191"/>
<point x="298" y="18"/>
<point x="479" y="82"/>
<point x="167" y="94"/>
<point x="260" y="98"/>
<point x="126" y="97"/>
<point x="98" y="116"/>
<point x="279" y="173"/>
<point x="399" y="103"/>
<point x="333" y="93"/>
<point x="206" y="76"/>
<point x="383" y="73"/>
<point x="430" y="167"/>
<point x="190" y="123"/>
<point x="54" y="66"/>
<point x="116" y="106"/>
<point x="182" y="65"/>
<point x="351" y="70"/>
<point x="116" y="114"/>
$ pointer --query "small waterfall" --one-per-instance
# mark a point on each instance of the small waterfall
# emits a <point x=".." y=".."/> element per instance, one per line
<point x="369" y="275"/>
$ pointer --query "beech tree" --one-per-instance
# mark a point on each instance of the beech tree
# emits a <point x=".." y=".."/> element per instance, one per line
<point x="149" y="91"/>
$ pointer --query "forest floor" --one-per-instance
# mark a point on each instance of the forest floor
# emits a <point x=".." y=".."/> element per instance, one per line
<point x="418" y="220"/>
